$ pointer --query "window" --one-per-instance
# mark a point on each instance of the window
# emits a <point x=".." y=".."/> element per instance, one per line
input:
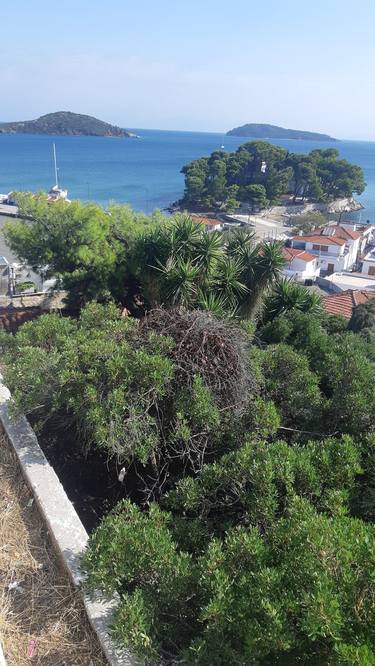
<point x="371" y="270"/>
<point x="320" y="248"/>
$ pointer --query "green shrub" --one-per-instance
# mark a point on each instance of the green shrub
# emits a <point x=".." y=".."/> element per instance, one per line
<point x="301" y="593"/>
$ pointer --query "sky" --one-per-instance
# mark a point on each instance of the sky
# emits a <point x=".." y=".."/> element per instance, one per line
<point x="202" y="65"/>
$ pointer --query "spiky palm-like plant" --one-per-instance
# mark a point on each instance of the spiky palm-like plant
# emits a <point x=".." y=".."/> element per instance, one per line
<point x="190" y="263"/>
<point x="208" y="251"/>
<point x="226" y="280"/>
<point x="215" y="303"/>
<point x="287" y="295"/>
<point x="185" y="235"/>
<point x="262" y="266"/>
<point x="240" y="241"/>
<point x="179" y="286"/>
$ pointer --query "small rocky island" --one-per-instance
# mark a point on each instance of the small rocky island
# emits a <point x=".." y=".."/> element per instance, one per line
<point x="65" y="123"/>
<point x="263" y="131"/>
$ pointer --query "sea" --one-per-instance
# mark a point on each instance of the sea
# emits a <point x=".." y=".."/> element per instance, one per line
<point x="144" y="172"/>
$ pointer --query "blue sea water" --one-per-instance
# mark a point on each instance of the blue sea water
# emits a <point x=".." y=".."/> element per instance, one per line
<point x="143" y="172"/>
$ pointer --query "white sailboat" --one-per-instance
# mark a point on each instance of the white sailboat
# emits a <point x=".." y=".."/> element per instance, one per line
<point x="56" y="192"/>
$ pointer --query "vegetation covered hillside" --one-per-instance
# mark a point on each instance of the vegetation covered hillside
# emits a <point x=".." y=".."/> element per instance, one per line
<point x="264" y="131"/>
<point x="64" y="122"/>
<point x="258" y="173"/>
<point x="242" y="418"/>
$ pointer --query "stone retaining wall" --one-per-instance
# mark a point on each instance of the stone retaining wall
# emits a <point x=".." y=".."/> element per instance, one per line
<point x="62" y="521"/>
<point x="15" y="310"/>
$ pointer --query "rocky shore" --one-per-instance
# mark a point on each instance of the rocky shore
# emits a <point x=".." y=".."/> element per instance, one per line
<point x="280" y="213"/>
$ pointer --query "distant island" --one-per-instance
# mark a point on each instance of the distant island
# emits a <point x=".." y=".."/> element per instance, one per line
<point x="65" y="123"/>
<point x="263" y="131"/>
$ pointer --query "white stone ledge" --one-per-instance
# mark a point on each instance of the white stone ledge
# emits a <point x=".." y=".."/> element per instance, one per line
<point x="2" y="658"/>
<point x="63" y="523"/>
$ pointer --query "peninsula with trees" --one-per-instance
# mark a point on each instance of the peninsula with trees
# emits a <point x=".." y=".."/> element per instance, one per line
<point x="259" y="174"/>
<point x="265" y="131"/>
<point x="65" y="123"/>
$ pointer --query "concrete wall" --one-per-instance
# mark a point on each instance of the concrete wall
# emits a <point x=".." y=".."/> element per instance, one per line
<point x="366" y="265"/>
<point x="63" y="524"/>
<point x="16" y="310"/>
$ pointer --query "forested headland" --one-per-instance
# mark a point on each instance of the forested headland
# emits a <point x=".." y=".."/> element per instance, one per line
<point x="259" y="173"/>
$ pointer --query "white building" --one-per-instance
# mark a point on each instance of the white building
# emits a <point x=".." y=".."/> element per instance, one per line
<point x="366" y="231"/>
<point x="368" y="263"/>
<point x="210" y="223"/>
<point x="301" y="265"/>
<point x="4" y="276"/>
<point x="336" y="248"/>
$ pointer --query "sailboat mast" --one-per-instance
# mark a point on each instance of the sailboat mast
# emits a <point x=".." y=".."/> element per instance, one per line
<point x="55" y="163"/>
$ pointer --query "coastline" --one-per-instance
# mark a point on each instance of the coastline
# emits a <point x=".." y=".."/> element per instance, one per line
<point x="279" y="213"/>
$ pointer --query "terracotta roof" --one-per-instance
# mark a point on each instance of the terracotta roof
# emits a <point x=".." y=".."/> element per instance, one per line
<point x="342" y="232"/>
<point x="11" y="320"/>
<point x="317" y="238"/>
<point x="205" y="220"/>
<point x="291" y="252"/>
<point x="343" y="303"/>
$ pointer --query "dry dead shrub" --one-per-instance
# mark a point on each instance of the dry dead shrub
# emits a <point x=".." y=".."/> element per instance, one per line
<point x="216" y="349"/>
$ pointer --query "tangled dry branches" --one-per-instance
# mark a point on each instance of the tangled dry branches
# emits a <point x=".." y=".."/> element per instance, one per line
<point x="215" y="349"/>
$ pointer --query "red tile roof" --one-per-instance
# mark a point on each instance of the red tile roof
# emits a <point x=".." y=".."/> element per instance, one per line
<point x="11" y="319"/>
<point x="318" y="238"/>
<point x="205" y="220"/>
<point x="341" y="232"/>
<point x="291" y="252"/>
<point x="343" y="303"/>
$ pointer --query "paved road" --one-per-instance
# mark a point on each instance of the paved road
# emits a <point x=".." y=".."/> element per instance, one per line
<point x="265" y="227"/>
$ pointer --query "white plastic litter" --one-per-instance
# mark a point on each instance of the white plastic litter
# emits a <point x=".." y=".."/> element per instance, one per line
<point x="15" y="585"/>
<point x="121" y="476"/>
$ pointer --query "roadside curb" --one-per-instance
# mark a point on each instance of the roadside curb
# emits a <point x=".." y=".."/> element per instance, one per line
<point x="63" y="523"/>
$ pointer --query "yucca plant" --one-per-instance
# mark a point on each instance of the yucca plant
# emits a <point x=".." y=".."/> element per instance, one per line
<point x="208" y="251"/>
<point x="288" y="295"/>
<point x="179" y="286"/>
<point x="216" y="303"/>
<point x="185" y="235"/>
<point x="262" y="266"/>
<point x="226" y="280"/>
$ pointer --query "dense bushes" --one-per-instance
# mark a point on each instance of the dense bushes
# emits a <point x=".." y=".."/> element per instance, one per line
<point x="302" y="593"/>
<point x="246" y="538"/>
<point x="159" y="395"/>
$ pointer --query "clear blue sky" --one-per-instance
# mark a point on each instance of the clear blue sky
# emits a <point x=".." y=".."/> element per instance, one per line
<point x="193" y="64"/>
